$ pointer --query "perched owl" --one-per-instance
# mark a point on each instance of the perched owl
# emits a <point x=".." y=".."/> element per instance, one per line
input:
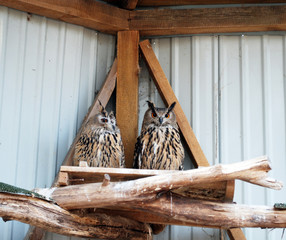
<point x="159" y="145"/>
<point x="100" y="143"/>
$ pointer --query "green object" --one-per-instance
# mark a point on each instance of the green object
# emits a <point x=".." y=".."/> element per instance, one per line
<point x="6" y="188"/>
<point x="280" y="206"/>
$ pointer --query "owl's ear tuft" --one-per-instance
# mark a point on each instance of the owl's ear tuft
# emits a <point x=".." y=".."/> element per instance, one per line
<point x="111" y="115"/>
<point x="170" y="108"/>
<point x="151" y="105"/>
<point x="101" y="106"/>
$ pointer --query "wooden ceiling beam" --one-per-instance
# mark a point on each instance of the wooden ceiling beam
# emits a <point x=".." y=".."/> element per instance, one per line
<point x="157" y="22"/>
<point x="157" y="3"/>
<point x="129" y="4"/>
<point x="87" y="13"/>
<point x="208" y="20"/>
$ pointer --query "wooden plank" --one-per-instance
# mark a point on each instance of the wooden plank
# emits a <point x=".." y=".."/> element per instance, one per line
<point x="208" y="20"/>
<point x="157" y="3"/>
<point x="88" y="13"/>
<point x="153" y="3"/>
<point x="129" y="4"/>
<point x="169" y="97"/>
<point x="236" y="234"/>
<point x="103" y="96"/>
<point x="127" y="91"/>
<point x="213" y="191"/>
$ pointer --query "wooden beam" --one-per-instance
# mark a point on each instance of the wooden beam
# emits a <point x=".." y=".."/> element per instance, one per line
<point x="208" y="20"/>
<point x="169" y="97"/>
<point x="94" y="195"/>
<point x="127" y="91"/>
<point x="129" y="4"/>
<point x="52" y="218"/>
<point x="156" y="3"/>
<point x="103" y="96"/>
<point x="88" y="13"/>
<point x="155" y="22"/>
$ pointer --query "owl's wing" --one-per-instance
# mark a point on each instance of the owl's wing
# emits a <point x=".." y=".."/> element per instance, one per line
<point x="122" y="161"/>
<point x="137" y="154"/>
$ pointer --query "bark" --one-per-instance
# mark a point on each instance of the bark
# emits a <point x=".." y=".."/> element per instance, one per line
<point x="97" y="195"/>
<point x="50" y="217"/>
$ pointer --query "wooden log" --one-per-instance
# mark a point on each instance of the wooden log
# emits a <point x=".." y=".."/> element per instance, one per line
<point x="51" y="217"/>
<point x="127" y="91"/>
<point x="174" y="210"/>
<point x="95" y="195"/>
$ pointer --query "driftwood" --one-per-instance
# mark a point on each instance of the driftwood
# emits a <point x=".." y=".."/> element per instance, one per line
<point x="53" y="218"/>
<point x="97" y="195"/>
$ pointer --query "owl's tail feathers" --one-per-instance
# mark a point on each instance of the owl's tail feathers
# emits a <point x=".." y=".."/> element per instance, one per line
<point x="157" y="228"/>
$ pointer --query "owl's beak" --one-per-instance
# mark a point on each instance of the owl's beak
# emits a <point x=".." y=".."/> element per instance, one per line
<point x="160" y="120"/>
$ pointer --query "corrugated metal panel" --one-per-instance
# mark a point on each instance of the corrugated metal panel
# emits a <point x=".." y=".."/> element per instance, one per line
<point x="49" y="74"/>
<point x="232" y="89"/>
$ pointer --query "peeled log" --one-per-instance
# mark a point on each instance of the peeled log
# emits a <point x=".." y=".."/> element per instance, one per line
<point x="95" y="195"/>
<point x="174" y="210"/>
<point x="53" y="218"/>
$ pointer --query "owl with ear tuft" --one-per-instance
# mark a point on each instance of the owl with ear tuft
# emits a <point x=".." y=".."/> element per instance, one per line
<point x="100" y="143"/>
<point x="159" y="145"/>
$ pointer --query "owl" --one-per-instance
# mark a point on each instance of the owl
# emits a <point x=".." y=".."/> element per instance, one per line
<point x="100" y="143"/>
<point x="159" y="145"/>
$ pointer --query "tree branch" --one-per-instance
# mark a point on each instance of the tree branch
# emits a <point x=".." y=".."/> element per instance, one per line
<point x="53" y="218"/>
<point x="95" y="195"/>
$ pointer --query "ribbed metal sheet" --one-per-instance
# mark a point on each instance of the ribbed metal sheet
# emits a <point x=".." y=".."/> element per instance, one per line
<point x="232" y="89"/>
<point x="49" y="73"/>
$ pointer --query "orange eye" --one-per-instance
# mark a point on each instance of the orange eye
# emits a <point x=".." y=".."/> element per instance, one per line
<point x="154" y="115"/>
<point x="104" y="120"/>
<point x="167" y="115"/>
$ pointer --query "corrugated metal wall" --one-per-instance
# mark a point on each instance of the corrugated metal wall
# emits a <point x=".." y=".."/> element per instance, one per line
<point x="49" y="73"/>
<point x="232" y="89"/>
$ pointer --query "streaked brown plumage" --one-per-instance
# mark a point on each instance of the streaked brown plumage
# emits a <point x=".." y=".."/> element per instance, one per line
<point x="159" y="145"/>
<point x="100" y="143"/>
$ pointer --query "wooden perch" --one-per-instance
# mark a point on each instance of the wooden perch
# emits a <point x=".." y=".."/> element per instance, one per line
<point x="173" y="210"/>
<point x="95" y="195"/>
<point x="53" y="218"/>
<point x="149" y="199"/>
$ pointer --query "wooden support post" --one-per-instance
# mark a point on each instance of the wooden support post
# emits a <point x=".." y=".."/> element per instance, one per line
<point x="169" y="97"/>
<point x="103" y="96"/>
<point x="127" y="91"/>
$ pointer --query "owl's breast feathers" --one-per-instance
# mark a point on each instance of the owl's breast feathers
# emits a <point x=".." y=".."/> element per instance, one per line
<point x="159" y="148"/>
<point x="100" y="148"/>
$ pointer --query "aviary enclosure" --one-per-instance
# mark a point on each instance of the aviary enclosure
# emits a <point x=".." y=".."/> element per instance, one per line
<point x="121" y="203"/>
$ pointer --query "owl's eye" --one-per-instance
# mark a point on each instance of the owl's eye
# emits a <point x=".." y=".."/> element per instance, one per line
<point x="154" y="115"/>
<point x="104" y="120"/>
<point x="167" y="115"/>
